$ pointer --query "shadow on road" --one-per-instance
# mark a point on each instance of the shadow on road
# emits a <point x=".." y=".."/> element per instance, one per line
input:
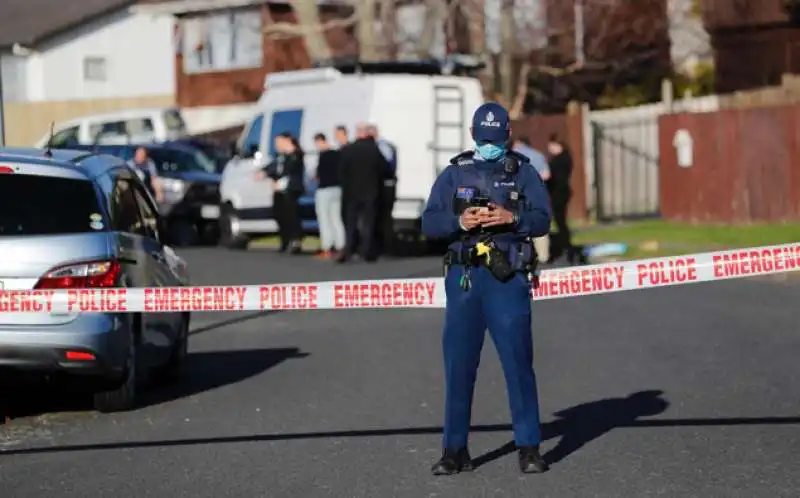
<point x="233" y="321"/>
<point x="576" y="426"/>
<point x="581" y="424"/>
<point x="209" y="370"/>
<point x="204" y="371"/>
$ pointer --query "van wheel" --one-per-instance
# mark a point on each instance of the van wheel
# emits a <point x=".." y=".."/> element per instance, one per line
<point x="122" y="398"/>
<point x="229" y="234"/>
<point x="172" y="371"/>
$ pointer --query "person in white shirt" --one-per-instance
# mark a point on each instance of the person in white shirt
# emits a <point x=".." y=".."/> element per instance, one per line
<point x="148" y="173"/>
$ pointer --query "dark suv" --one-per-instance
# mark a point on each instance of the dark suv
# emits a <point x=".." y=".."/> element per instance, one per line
<point x="190" y="186"/>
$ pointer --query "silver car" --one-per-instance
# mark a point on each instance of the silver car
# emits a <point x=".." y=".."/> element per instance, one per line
<point x="75" y="219"/>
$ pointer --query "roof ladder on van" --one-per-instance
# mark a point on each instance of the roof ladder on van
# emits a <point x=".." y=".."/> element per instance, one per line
<point x="448" y="124"/>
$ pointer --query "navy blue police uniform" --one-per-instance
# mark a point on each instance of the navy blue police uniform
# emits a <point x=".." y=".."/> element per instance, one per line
<point x="488" y="283"/>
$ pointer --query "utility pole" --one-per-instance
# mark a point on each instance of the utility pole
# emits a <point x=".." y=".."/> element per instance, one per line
<point x="580" y="55"/>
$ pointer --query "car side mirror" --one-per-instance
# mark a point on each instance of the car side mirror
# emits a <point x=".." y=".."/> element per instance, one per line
<point x="250" y="151"/>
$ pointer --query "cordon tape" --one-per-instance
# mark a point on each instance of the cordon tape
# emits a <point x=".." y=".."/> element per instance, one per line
<point x="404" y="293"/>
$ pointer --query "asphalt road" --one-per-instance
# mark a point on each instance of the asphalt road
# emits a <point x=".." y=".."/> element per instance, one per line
<point x="689" y="391"/>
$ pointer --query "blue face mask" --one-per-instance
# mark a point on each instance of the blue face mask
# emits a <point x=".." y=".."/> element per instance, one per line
<point x="490" y="152"/>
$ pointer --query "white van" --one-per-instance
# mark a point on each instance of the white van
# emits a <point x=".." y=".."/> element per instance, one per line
<point x="427" y="117"/>
<point x="157" y="124"/>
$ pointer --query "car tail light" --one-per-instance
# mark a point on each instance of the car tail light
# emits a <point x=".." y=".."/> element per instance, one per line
<point x="6" y="169"/>
<point x="79" y="356"/>
<point x="83" y="275"/>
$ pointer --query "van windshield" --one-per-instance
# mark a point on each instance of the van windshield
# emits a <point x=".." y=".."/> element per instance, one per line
<point x="43" y="205"/>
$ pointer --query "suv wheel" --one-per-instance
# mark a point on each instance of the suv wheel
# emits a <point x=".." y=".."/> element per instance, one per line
<point x="123" y="397"/>
<point x="173" y="369"/>
<point x="229" y="234"/>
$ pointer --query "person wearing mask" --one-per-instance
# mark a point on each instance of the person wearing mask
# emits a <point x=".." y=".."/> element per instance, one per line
<point x="361" y="175"/>
<point x="560" y="194"/>
<point x="488" y="203"/>
<point x="287" y="173"/>
<point x="328" y="199"/>
<point x="538" y="161"/>
<point x="148" y="173"/>
<point x="388" y="194"/>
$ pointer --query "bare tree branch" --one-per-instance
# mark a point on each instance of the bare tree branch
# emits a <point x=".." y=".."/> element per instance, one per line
<point x="310" y="27"/>
<point x="434" y="15"/>
<point x="518" y="105"/>
<point x="388" y="18"/>
<point x="366" y="12"/>
<point x="508" y="45"/>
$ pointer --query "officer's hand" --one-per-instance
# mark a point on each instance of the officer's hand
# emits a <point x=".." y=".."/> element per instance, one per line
<point x="471" y="218"/>
<point x="260" y="175"/>
<point x="497" y="215"/>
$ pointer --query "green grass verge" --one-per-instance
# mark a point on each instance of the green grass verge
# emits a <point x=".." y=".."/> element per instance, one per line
<point x="663" y="238"/>
<point x="647" y="239"/>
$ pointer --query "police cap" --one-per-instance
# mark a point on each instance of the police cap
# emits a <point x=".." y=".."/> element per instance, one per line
<point x="490" y="124"/>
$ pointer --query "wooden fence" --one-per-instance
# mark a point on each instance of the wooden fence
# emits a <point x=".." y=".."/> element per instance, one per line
<point x="569" y="127"/>
<point x="744" y="166"/>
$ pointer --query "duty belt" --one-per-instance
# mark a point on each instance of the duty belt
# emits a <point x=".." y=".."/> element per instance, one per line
<point x="502" y="264"/>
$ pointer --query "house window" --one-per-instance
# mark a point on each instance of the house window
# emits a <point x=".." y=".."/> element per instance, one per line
<point x="94" y="68"/>
<point x="222" y="41"/>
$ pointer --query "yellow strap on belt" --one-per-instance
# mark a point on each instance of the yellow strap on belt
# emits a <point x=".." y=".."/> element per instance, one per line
<point x="483" y="249"/>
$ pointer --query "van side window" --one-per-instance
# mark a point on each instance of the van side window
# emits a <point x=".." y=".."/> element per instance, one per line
<point x="174" y="121"/>
<point x="252" y="140"/>
<point x="100" y="132"/>
<point x="125" y="215"/>
<point x="140" y="128"/>
<point x="66" y="137"/>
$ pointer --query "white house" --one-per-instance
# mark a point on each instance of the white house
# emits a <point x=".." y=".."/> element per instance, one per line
<point x="95" y="55"/>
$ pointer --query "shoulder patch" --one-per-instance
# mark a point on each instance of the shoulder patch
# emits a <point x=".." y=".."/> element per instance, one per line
<point x="463" y="158"/>
<point x="520" y="157"/>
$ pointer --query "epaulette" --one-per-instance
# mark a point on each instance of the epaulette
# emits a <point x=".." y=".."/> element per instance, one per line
<point x="463" y="158"/>
<point x="522" y="158"/>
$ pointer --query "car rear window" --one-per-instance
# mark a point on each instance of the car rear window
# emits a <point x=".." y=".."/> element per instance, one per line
<point x="43" y="205"/>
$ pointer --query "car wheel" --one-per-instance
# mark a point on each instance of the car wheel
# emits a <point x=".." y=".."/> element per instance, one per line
<point x="229" y="234"/>
<point x="122" y="398"/>
<point x="173" y="369"/>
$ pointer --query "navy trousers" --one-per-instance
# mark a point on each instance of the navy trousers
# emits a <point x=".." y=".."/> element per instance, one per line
<point x="505" y="309"/>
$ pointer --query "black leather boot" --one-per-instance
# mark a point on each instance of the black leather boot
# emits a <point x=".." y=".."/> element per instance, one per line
<point x="530" y="461"/>
<point x="453" y="462"/>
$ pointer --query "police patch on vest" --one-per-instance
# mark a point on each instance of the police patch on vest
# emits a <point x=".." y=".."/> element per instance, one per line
<point x="504" y="184"/>
<point x="466" y="193"/>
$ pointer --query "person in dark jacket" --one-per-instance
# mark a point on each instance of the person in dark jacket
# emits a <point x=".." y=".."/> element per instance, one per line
<point x="560" y="194"/>
<point x="287" y="173"/>
<point x="328" y="199"/>
<point x="362" y="168"/>
<point x="388" y="194"/>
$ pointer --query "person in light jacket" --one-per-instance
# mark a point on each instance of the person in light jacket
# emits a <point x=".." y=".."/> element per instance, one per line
<point x="328" y="199"/>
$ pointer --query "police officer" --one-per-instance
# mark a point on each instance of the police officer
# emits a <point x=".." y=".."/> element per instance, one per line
<point x="490" y="203"/>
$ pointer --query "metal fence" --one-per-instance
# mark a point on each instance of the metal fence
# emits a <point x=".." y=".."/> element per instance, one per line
<point x="623" y="157"/>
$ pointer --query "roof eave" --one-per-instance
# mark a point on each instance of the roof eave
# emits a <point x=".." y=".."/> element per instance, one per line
<point x="177" y="7"/>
